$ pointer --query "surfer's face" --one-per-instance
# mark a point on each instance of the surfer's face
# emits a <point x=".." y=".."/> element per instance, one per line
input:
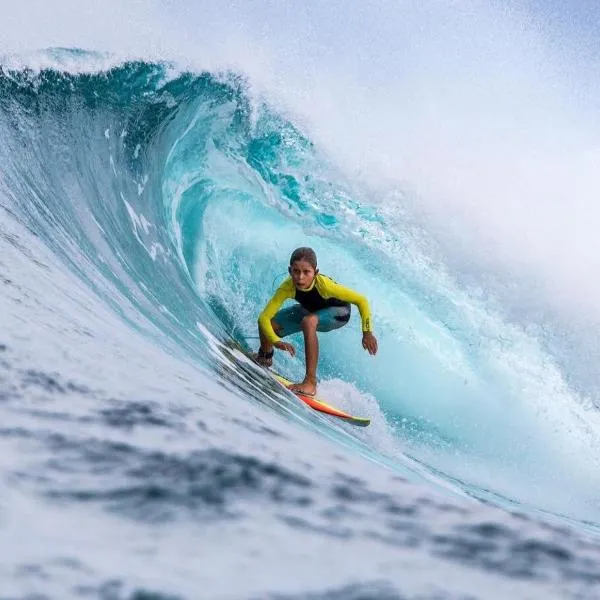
<point x="302" y="273"/>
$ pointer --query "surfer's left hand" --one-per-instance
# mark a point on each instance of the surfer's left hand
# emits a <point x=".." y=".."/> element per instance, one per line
<point x="369" y="342"/>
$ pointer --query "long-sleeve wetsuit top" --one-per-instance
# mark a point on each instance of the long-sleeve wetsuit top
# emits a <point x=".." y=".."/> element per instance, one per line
<point x="323" y="292"/>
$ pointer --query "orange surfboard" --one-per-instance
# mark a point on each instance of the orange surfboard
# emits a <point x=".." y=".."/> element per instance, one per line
<point x="323" y="406"/>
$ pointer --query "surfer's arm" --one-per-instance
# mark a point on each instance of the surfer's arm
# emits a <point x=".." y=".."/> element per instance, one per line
<point x="332" y="289"/>
<point x="284" y="291"/>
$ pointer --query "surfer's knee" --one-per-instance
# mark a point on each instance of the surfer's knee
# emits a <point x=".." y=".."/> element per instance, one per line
<point x="310" y="322"/>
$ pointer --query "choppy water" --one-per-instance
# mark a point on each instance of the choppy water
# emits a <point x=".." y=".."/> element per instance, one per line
<point x="146" y="215"/>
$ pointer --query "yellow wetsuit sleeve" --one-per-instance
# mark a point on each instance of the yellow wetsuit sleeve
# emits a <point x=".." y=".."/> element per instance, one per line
<point x="285" y="291"/>
<point x="331" y="289"/>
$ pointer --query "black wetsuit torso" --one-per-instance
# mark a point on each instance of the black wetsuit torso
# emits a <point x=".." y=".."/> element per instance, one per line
<point x="312" y="301"/>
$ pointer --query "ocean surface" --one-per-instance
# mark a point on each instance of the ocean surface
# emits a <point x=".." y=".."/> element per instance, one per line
<point x="147" y="213"/>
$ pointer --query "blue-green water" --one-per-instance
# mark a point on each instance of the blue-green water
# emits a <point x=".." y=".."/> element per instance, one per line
<point x="146" y="216"/>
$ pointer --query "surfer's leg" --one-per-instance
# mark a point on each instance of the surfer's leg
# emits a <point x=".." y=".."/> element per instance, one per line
<point x="287" y="321"/>
<point x="264" y="356"/>
<point x="311" y="351"/>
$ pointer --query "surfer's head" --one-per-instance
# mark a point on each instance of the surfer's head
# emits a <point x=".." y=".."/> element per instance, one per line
<point x="304" y="253"/>
<point x="303" y="267"/>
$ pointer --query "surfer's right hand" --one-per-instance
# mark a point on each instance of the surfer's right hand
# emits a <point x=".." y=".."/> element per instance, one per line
<point x="285" y="346"/>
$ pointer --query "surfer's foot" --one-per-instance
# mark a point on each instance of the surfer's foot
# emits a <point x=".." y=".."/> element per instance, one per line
<point x="264" y="359"/>
<point x="307" y="387"/>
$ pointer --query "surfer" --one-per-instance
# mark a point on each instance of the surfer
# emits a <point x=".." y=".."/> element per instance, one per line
<point x="323" y="305"/>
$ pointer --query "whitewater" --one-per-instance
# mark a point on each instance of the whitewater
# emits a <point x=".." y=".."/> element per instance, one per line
<point x="148" y="209"/>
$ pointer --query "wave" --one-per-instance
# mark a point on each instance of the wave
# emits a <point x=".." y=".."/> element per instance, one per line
<point x="176" y="197"/>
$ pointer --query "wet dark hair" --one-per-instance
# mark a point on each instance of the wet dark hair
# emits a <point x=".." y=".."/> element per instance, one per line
<point x="304" y="253"/>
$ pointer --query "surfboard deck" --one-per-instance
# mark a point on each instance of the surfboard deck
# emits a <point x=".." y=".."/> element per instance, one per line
<point x="320" y="405"/>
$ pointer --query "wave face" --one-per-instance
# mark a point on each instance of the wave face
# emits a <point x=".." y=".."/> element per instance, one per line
<point x="147" y="216"/>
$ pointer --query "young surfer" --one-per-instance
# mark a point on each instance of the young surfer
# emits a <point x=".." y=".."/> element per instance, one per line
<point x="323" y="305"/>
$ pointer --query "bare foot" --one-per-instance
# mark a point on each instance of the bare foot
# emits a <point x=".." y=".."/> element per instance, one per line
<point x="308" y="388"/>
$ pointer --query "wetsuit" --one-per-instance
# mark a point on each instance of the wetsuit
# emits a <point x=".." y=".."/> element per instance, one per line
<point x="326" y="297"/>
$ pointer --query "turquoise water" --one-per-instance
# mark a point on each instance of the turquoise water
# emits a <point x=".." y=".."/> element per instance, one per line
<point x="166" y="204"/>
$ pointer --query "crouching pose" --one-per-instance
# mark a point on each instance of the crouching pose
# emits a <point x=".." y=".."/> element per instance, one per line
<point x="323" y="305"/>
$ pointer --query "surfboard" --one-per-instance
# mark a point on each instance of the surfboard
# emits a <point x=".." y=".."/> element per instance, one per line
<point x="320" y="405"/>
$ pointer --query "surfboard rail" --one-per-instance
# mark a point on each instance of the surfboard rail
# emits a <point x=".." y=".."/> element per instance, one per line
<point x="320" y="405"/>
